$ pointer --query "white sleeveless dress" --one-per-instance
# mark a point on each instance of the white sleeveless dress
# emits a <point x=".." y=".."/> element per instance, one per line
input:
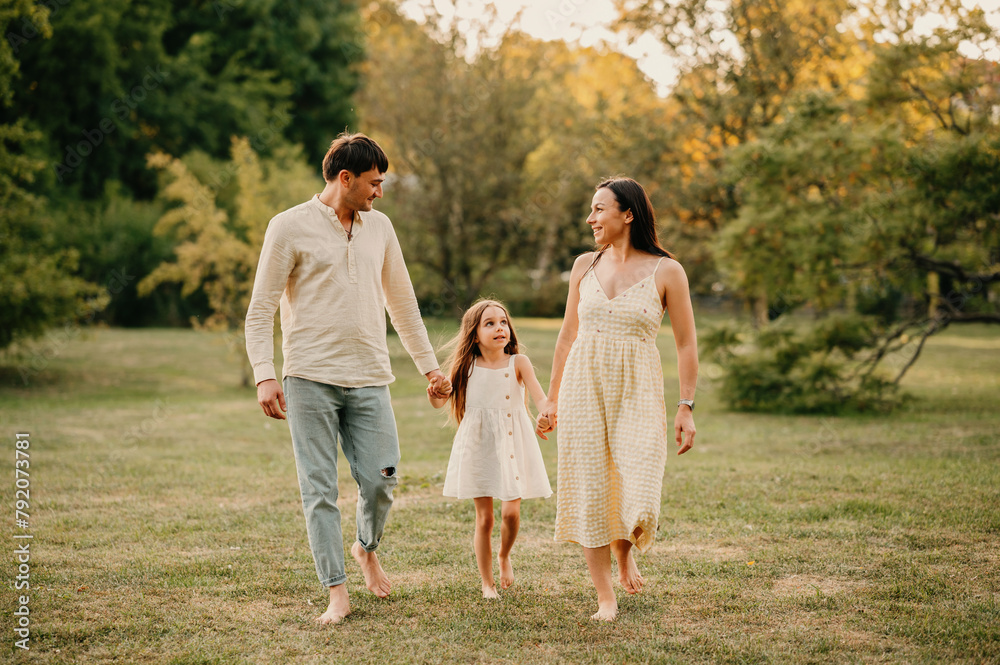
<point x="495" y="452"/>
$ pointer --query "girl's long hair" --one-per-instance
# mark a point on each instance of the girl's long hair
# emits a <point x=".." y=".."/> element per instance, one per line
<point x="465" y="352"/>
<point x="630" y="195"/>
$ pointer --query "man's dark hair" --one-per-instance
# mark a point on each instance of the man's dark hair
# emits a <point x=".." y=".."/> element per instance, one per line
<point x="355" y="152"/>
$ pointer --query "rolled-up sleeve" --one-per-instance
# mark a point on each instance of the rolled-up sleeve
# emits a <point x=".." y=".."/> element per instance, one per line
<point x="401" y="303"/>
<point x="277" y="260"/>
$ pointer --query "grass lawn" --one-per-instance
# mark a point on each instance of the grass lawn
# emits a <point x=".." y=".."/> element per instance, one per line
<point x="167" y="526"/>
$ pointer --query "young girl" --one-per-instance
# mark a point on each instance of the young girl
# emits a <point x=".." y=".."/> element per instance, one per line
<point x="495" y="453"/>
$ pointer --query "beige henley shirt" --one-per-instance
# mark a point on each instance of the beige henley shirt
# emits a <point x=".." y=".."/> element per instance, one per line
<point x="333" y="293"/>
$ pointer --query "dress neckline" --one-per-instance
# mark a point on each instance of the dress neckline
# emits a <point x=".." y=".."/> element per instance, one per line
<point x="593" y="271"/>
<point x="476" y="365"/>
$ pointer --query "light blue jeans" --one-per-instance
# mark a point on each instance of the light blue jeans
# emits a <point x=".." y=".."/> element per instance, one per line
<point x="363" y="418"/>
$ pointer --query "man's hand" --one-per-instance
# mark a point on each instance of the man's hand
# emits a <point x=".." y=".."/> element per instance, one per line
<point x="440" y="386"/>
<point x="271" y="399"/>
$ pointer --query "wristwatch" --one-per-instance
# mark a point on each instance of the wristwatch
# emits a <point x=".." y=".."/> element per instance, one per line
<point x="689" y="402"/>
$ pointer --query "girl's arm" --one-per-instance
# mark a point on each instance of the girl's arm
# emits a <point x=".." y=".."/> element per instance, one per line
<point x="526" y="375"/>
<point x="437" y="402"/>
<point x="567" y="333"/>
<point x="673" y="284"/>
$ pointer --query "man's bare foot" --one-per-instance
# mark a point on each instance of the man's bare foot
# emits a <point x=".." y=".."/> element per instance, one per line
<point x="506" y="571"/>
<point x="339" y="607"/>
<point x="490" y="591"/>
<point x="375" y="578"/>
<point x="629" y="575"/>
<point x="606" y="611"/>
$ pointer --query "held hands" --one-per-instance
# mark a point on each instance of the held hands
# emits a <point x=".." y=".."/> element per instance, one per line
<point x="439" y="386"/>
<point x="546" y="421"/>
<point x="684" y="424"/>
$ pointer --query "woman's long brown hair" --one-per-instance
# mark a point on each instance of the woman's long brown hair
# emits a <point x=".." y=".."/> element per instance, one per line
<point x="466" y="351"/>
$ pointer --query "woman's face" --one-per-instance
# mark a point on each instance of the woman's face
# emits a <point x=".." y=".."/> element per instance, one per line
<point x="608" y="222"/>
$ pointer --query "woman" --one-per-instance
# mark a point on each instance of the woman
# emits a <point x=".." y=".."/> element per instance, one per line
<point x="607" y="387"/>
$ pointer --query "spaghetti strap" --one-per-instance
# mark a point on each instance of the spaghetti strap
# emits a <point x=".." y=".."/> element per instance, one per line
<point x="658" y="264"/>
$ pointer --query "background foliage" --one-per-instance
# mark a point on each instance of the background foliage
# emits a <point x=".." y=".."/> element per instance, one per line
<point x="812" y="159"/>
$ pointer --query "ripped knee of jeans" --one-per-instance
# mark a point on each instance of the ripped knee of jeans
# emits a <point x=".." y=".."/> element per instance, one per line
<point x="389" y="472"/>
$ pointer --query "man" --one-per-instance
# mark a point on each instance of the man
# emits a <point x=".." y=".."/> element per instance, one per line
<point x="336" y="266"/>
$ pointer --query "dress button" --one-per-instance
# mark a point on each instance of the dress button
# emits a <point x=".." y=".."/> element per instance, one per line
<point x="510" y="434"/>
<point x="512" y="457"/>
<point x="508" y="415"/>
<point x="517" y="477"/>
<point x="506" y="373"/>
<point x="508" y="397"/>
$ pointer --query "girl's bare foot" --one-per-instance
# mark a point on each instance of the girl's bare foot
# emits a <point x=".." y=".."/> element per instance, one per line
<point x="375" y="578"/>
<point x="490" y="591"/>
<point x="606" y="611"/>
<point x="506" y="571"/>
<point x="339" y="607"/>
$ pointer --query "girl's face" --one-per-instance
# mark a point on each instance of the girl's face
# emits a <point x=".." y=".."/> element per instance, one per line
<point x="493" y="331"/>
<point x="608" y="222"/>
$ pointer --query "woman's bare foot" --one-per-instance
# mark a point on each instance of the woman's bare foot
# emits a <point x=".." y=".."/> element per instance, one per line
<point x="339" y="607"/>
<point x="628" y="570"/>
<point x="375" y="578"/>
<point x="506" y="571"/>
<point x="629" y="575"/>
<point x="606" y="611"/>
<point x="490" y="591"/>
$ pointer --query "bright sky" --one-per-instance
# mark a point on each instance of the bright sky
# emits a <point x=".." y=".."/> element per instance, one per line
<point x="586" y="22"/>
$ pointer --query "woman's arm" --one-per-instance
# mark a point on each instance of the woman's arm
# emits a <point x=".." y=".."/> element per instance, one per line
<point x="567" y="333"/>
<point x="673" y="285"/>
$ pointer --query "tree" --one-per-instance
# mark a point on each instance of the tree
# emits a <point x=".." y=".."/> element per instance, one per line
<point x="38" y="290"/>
<point x="498" y="157"/>
<point x="888" y="205"/>
<point x="219" y="240"/>
<point x="740" y="63"/>
<point x="122" y="78"/>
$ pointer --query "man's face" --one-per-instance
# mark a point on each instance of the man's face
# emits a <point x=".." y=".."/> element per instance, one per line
<point x="363" y="189"/>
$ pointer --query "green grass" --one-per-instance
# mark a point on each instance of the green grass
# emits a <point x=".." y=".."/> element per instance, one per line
<point x="168" y="527"/>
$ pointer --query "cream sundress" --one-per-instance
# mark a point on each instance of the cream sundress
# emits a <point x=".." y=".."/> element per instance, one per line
<point x="495" y="452"/>
<point x="612" y="421"/>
